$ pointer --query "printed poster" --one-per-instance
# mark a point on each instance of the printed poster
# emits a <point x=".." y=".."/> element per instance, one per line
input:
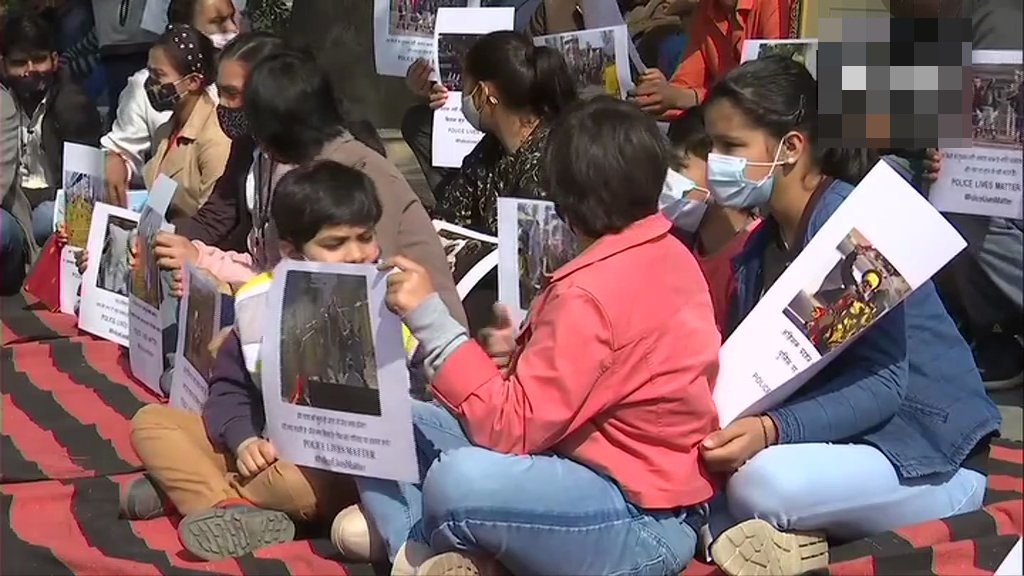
<point x="103" y="310"/>
<point x="403" y="31"/>
<point x="985" y="179"/>
<point x="605" y="13"/>
<point x="471" y="255"/>
<point x="1013" y="564"/>
<point x="802" y="50"/>
<point x="199" y="321"/>
<point x="598" y="59"/>
<point x="335" y="382"/>
<point x="82" y="183"/>
<point x="861" y="264"/>
<point x="146" y="340"/>
<point x="533" y="242"/>
<point x="456" y="31"/>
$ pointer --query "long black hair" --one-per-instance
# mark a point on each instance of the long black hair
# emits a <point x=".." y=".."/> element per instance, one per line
<point x="779" y="95"/>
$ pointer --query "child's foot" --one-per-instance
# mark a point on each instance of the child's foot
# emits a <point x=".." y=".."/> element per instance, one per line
<point x="461" y="564"/>
<point x="142" y="500"/>
<point x="756" y="547"/>
<point x="355" y="538"/>
<point x="234" y="530"/>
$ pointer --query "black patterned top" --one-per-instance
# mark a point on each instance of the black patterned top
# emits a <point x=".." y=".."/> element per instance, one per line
<point x="470" y="197"/>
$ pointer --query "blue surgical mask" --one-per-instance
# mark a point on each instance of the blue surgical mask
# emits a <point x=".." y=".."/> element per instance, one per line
<point x="728" y="181"/>
<point x="685" y="213"/>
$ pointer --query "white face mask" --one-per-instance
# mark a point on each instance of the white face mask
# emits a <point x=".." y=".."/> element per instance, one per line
<point x="685" y="213"/>
<point x="469" y="110"/>
<point x="221" y="39"/>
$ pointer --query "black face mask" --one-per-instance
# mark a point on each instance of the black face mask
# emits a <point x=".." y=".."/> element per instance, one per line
<point x="162" y="97"/>
<point x="233" y="122"/>
<point x="31" y="86"/>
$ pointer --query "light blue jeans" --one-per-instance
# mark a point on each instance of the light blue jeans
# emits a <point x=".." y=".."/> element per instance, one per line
<point x="848" y="491"/>
<point x="42" y="222"/>
<point x="535" y="514"/>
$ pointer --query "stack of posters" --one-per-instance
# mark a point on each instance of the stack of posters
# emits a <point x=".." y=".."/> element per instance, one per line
<point x="802" y="50"/>
<point x="455" y="32"/>
<point x="403" y="31"/>
<point x="146" y="341"/>
<point x="861" y="264"/>
<point x="334" y="376"/>
<point x="533" y="242"/>
<point x="598" y="59"/>
<point x="199" y="321"/>
<point x="985" y="179"/>
<point x="81" y="188"/>
<point x="471" y="255"/>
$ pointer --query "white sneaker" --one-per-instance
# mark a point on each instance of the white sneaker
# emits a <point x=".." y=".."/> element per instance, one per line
<point x="355" y="538"/>
<point x="461" y="564"/>
<point x="755" y="547"/>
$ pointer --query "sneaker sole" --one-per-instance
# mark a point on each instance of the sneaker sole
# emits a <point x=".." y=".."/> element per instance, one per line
<point x="755" y="547"/>
<point x="451" y="564"/>
<point x="222" y="533"/>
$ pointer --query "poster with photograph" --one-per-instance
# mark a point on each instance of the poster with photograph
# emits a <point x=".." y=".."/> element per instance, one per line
<point x="103" y="310"/>
<point x="154" y="15"/>
<point x="199" y="321"/>
<point x="598" y="59"/>
<point x="471" y="255"/>
<point x="606" y="13"/>
<point x="335" y="382"/>
<point x="802" y="50"/>
<point x="82" y="183"/>
<point x="533" y="242"/>
<point x="861" y="264"/>
<point x="985" y="179"/>
<point x="403" y="31"/>
<point x="456" y="30"/>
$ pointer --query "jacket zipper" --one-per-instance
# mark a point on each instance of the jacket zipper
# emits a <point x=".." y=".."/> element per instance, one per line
<point x="123" y="12"/>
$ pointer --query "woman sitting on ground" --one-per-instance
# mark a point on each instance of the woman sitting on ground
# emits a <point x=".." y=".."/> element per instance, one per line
<point x="894" y="431"/>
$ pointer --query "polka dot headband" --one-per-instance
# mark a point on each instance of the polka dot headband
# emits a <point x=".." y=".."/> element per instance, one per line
<point x="184" y="38"/>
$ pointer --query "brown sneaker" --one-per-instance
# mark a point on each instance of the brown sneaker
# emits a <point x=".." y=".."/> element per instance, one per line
<point x="461" y="564"/>
<point x="142" y="500"/>
<point x="756" y="547"/>
<point x="233" y="531"/>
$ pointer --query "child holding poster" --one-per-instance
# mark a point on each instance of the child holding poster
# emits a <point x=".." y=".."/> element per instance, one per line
<point x="580" y="455"/>
<point x="895" y="430"/>
<point x="324" y="212"/>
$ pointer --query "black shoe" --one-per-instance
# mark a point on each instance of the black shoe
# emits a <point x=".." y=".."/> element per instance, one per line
<point x="1000" y="359"/>
<point x="233" y="531"/>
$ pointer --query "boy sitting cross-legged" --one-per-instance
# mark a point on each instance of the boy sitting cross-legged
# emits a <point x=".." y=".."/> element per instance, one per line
<point x="217" y="470"/>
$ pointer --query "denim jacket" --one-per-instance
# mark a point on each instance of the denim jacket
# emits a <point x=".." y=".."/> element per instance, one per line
<point x="908" y="386"/>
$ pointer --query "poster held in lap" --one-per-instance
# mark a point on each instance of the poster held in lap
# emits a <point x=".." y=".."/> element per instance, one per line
<point x="403" y="31"/>
<point x="199" y="321"/>
<point x="862" y="263"/>
<point x="334" y="376"/>
<point x="985" y="179"/>
<point x="457" y="29"/>
<point x="103" y="310"/>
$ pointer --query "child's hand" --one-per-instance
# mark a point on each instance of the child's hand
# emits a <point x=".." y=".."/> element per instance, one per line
<point x="254" y="456"/>
<point x="62" y="235"/>
<point x="932" y="165"/>
<point x="499" y="339"/>
<point x="728" y="449"/>
<point x="82" y="260"/>
<point x="408" y="286"/>
<point x="173" y="251"/>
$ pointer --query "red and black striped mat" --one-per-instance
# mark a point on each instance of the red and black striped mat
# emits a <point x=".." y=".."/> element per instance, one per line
<point x="64" y="451"/>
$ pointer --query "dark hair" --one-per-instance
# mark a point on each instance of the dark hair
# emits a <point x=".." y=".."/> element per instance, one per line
<point x="189" y="51"/>
<point x="181" y="12"/>
<point x="27" y="33"/>
<point x="605" y="166"/>
<point x="292" y="109"/>
<point x="779" y="95"/>
<point x="251" y="47"/>
<point x="687" y="134"/>
<point x="528" y="78"/>
<point x="319" y="194"/>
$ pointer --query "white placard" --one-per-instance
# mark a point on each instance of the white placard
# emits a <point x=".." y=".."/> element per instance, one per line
<point x="104" y="307"/>
<point x="136" y="200"/>
<point x="82" y="183"/>
<point x="154" y="15"/>
<point x="986" y="179"/>
<point x="456" y="30"/>
<point x="334" y="377"/>
<point x="605" y="13"/>
<point x="1013" y="564"/>
<point x="790" y="336"/>
<point x="802" y="50"/>
<point x="70" y="280"/>
<point x="199" y="321"/>
<point x="146" y="335"/>
<point x="598" y="59"/>
<point x="533" y="242"/>
<point x="471" y="255"/>
<point x="403" y="31"/>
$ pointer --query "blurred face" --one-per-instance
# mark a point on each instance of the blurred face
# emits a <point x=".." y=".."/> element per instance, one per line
<point x="215" y="17"/>
<point x="21" y="64"/>
<point x="342" y="245"/>
<point x="231" y="75"/>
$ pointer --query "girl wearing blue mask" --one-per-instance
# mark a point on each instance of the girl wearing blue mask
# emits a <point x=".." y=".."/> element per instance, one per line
<point x="893" y="432"/>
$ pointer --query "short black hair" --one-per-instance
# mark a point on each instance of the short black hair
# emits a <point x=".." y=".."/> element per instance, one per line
<point x="605" y="166"/>
<point x="319" y="194"/>
<point x="688" y="135"/>
<point x="27" y="33"/>
<point x="181" y="12"/>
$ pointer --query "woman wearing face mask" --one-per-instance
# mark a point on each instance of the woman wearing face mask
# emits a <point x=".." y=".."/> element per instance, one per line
<point x="131" y="139"/>
<point x="895" y="430"/>
<point x="511" y="92"/>
<point x="191" y="148"/>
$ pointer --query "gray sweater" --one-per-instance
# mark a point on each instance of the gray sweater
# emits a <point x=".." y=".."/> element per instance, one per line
<point x="118" y="25"/>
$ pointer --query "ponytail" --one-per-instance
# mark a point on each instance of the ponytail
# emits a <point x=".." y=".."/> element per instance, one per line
<point x="552" y="89"/>
<point x="847" y="164"/>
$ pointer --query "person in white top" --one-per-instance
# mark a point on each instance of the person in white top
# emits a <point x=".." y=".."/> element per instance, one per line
<point x="130" y="141"/>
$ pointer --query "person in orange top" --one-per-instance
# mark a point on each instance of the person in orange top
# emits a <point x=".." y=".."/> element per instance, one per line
<point x="572" y="448"/>
<point x="717" y="32"/>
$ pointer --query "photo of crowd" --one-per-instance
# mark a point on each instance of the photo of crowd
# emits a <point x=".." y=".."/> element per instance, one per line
<point x="81" y="192"/>
<point x="417" y="17"/>
<point x="451" y="51"/>
<point x="545" y="244"/>
<point x="997" y="106"/>
<point x="590" y="56"/>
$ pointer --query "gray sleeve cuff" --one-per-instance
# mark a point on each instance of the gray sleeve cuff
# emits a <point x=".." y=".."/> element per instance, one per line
<point x="436" y="331"/>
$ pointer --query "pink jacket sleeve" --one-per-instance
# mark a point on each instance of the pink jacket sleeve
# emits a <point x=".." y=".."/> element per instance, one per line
<point x="230" y="267"/>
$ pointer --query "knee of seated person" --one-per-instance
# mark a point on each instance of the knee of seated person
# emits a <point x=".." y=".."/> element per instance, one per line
<point x="10" y="232"/>
<point x="467" y="478"/>
<point x="149" y="417"/>
<point x="769" y="486"/>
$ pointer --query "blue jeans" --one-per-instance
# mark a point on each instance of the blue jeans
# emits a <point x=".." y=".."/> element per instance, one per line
<point x="12" y="254"/>
<point x="848" y="491"/>
<point x="42" y="222"/>
<point x="536" y="514"/>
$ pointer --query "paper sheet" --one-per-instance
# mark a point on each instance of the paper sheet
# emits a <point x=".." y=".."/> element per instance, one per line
<point x="82" y="183"/>
<point x="598" y="59"/>
<point x="1013" y="565"/>
<point x="471" y="255"/>
<point x="199" y="321"/>
<point x="604" y="13"/>
<point x="403" y="31"/>
<point x="103" y="310"/>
